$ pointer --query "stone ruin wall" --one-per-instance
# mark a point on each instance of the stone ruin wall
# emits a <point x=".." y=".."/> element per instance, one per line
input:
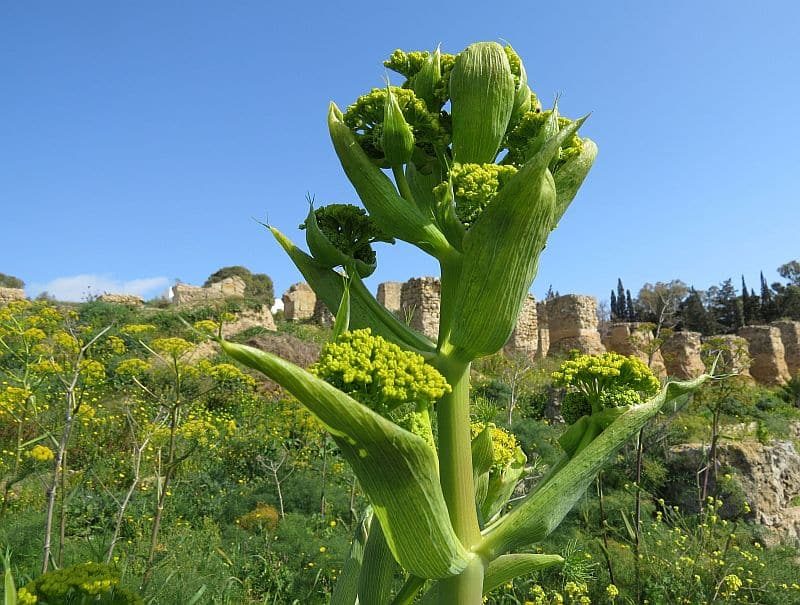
<point x="681" y="354"/>
<point x="8" y="295"/>
<point x="572" y="324"/>
<point x="419" y="301"/>
<point x="299" y="302"/>
<point x="628" y="338"/>
<point x="390" y="295"/>
<point x="543" y="331"/>
<point x="768" y="356"/>
<point x="790" y="337"/>
<point x="322" y="316"/>
<point x="524" y="339"/>
<point x="230" y="287"/>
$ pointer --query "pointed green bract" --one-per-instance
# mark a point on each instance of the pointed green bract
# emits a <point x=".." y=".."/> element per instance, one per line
<point x="501" y="252"/>
<point x="482" y="99"/>
<point x="500" y="486"/>
<point x="325" y="253"/>
<point x="397" y="137"/>
<point x="507" y="567"/>
<point x="397" y="469"/>
<point x="542" y="511"/>
<point x="570" y="176"/>
<point x="426" y="80"/>
<point x="393" y="214"/>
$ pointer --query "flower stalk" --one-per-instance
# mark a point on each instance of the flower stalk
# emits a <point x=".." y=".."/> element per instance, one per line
<point x="479" y="178"/>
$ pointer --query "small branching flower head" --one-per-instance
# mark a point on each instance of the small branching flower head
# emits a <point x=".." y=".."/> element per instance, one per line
<point x="13" y="401"/>
<point x="342" y="235"/>
<point x="366" y="118"/>
<point x="41" y="453"/>
<point x="504" y="444"/>
<point x="82" y="583"/>
<point x="426" y="73"/>
<point x="172" y="347"/>
<point x="379" y="373"/>
<point x="132" y="368"/>
<point x="474" y="187"/>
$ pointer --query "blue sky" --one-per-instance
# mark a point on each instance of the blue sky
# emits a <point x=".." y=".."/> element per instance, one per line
<point x="139" y="139"/>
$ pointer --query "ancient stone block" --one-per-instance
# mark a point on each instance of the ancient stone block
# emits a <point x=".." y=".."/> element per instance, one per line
<point x="634" y="338"/>
<point x="322" y="315"/>
<point x="230" y="287"/>
<point x="572" y="322"/>
<point x="681" y="353"/>
<point x="10" y="294"/>
<point x="184" y="294"/>
<point x="250" y="318"/>
<point x="525" y="337"/>
<point x="768" y="365"/>
<point x="129" y="300"/>
<point x="543" y="331"/>
<point x="419" y="301"/>
<point x="790" y="337"/>
<point x="390" y="295"/>
<point x="299" y="302"/>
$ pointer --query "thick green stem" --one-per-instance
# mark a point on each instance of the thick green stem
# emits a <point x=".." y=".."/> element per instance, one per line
<point x="455" y="473"/>
<point x="465" y="588"/>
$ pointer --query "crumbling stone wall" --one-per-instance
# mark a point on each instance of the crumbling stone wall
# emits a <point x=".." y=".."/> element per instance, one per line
<point x="129" y="300"/>
<point x="790" y="337"/>
<point x="250" y="318"/>
<point x="525" y="337"/>
<point x="322" y="315"/>
<point x="230" y="287"/>
<point x="8" y="295"/>
<point x="768" y="365"/>
<point x="299" y="302"/>
<point x="390" y="295"/>
<point x="543" y="345"/>
<point x="420" y="300"/>
<point x="572" y="322"/>
<point x="681" y="353"/>
<point x="631" y="338"/>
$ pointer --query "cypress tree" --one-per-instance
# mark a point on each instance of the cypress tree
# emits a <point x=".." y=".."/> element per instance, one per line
<point x="746" y="305"/>
<point x="622" y="312"/>
<point x="695" y="317"/>
<point x="630" y="308"/>
<point x="614" y="316"/>
<point x="768" y="307"/>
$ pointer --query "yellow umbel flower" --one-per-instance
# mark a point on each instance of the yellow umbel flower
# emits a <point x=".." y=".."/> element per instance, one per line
<point x="41" y="453"/>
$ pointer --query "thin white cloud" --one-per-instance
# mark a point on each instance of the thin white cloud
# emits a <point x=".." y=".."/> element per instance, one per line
<point x="80" y="287"/>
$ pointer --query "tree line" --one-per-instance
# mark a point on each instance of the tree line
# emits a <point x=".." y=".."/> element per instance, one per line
<point x="720" y="309"/>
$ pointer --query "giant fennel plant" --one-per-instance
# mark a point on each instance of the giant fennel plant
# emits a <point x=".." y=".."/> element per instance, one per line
<point x="480" y="175"/>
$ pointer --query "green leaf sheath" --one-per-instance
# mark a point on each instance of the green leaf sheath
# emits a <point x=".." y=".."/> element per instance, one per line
<point x="396" y="469"/>
<point x="542" y="511"/>
<point x="501" y="253"/>
<point x="388" y="209"/>
<point x="482" y="99"/>
<point x="482" y="452"/>
<point x="323" y="251"/>
<point x="377" y="571"/>
<point x="507" y="567"/>
<point x="365" y="311"/>
<point x="570" y="176"/>
<point x="346" y="590"/>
